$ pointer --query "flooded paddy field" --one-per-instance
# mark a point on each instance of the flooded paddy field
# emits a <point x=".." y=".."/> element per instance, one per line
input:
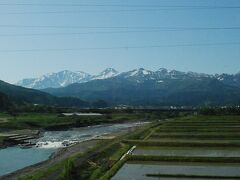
<point x="202" y="136"/>
<point x="208" y="130"/>
<point x="198" y="130"/>
<point x="187" y="148"/>
<point x="188" y="151"/>
<point x="140" y="171"/>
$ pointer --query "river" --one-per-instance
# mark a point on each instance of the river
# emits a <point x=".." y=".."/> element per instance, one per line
<point x="15" y="158"/>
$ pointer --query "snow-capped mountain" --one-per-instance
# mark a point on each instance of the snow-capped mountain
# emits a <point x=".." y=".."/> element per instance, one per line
<point x="64" y="78"/>
<point x="229" y="79"/>
<point x="55" y="80"/>
<point x="107" y="73"/>
<point x="141" y="75"/>
<point x="162" y="87"/>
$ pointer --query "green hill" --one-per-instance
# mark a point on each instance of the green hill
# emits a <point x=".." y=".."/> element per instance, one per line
<point x="14" y="94"/>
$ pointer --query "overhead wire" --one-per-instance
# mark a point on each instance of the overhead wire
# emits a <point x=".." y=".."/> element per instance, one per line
<point x="154" y="30"/>
<point x="122" y="47"/>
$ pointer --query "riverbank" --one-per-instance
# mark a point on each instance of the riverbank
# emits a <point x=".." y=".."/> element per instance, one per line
<point x="26" y="123"/>
<point x="55" y="158"/>
<point x="63" y="154"/>
<point x="17" y="137"/>
<point x="57" y="121"/>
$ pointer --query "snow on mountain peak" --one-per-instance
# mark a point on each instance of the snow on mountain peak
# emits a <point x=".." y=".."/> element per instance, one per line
<point x="140" y="75"/>
<point x="140" y="72"/>
<point x="107" y="73"/>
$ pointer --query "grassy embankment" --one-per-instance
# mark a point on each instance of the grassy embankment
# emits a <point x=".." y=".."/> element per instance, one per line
<point x="106" y="163"/>
<point x="61" y="169"/>
<point x="92" y="168"/>
<point x="1" y="141"/>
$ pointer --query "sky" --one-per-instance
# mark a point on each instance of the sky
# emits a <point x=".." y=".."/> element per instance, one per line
<point x="39" y="37"/>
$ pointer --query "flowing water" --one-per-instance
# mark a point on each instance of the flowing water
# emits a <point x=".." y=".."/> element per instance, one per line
<point x="14" y="158"/>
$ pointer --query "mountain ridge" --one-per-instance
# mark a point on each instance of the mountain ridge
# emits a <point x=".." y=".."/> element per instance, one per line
<point x="19" y="95"/>
<point x="160" y="88"/>
<point x="66" y="77"/>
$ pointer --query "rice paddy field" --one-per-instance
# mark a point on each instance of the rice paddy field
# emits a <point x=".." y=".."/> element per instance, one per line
<point x="193" y="147"/>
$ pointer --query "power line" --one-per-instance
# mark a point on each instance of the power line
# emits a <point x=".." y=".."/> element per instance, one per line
<point x="116" y="5"/>
<point x="122" y="27"/>
<point x="117" y="32"/>
<point x="110" y="11"/>
<point x="124" y="47"/>
<point x="119" y="10"/>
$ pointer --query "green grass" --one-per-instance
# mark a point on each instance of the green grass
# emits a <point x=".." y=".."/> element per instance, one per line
<point x="199" y="130"/>
<point x="189" y="143"/>
<point x="197" y="136"/>
<point x="34" y="120"/>
<point x="144" y="131"/>
<point x="98" y="165"/>
<point x="109" y="174"/>
<point x="187" y="148"/>
<point x="52" y="121"/>
<point x="184" y="159"/>
<point x="128" y="116"/>
<point x="197" y="133"/>
<point x="202" y="118"/>
<point x="119" y="153"/>
<point x="1" y="141"/>
<point x="58" y="167"/>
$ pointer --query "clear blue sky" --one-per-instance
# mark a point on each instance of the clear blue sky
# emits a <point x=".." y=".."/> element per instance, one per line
<point x="208" y="59"/>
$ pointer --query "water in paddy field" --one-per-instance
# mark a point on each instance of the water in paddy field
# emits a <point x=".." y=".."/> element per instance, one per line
<point x="139" y="171"/>
<point x="190" y="151"/>
<point x="15" y="158"/>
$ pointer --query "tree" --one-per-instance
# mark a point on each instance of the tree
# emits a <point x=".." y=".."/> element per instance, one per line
<point x="100" y="104"/>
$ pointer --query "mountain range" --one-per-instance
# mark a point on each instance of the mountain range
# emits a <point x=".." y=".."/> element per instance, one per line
<point x="138" y="87"/>
<point x="64" y="78"/>
<point x="157" y="88"/>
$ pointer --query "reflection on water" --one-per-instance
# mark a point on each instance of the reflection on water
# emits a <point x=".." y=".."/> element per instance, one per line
<point x="191" y="151"/>
<point x="139" y="171"/>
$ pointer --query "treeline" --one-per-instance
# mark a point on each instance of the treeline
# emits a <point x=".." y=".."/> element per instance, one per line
<point x="38" y="108"/>
<point x="5" y="102"/>
<point x="64" y="104"/>
<point x="15" y="97"/>
<point x="220" y="110"/>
